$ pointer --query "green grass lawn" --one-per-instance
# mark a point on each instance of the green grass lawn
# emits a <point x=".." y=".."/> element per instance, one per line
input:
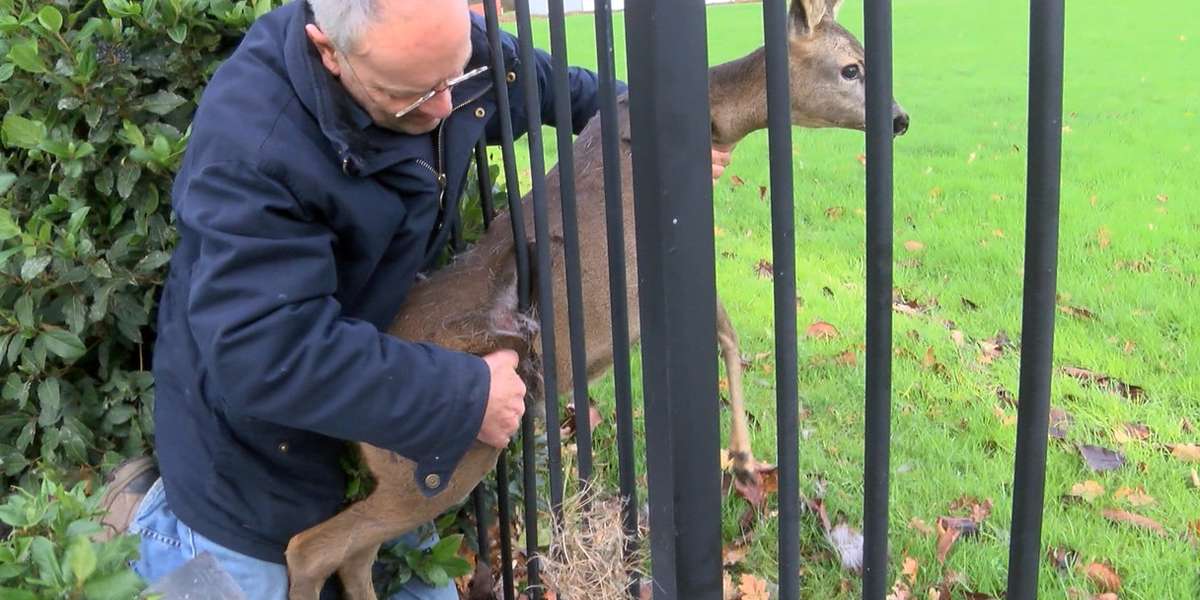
<point x="1129" y="250"/>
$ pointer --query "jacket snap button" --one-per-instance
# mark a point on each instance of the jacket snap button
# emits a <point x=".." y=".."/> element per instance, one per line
<point x="510" y="77"/>
<point x="283" y="447"/>
<point x="432" y="481"/>
<point x="479" y="112"/>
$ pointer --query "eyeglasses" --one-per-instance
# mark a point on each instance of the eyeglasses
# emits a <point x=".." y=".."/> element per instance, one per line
<point x="444" y="87"/>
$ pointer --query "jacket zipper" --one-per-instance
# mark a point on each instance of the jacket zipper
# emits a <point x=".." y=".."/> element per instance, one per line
<point x="439" y="171"/>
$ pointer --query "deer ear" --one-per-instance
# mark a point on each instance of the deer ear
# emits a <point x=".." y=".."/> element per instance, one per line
<point x="804" y="16"/>
<point x="834" y="7"/>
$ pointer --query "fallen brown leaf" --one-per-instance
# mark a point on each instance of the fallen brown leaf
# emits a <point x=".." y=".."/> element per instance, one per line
<point x="910" y="569"/>
<point x="1060" y="422"/>
<point x="920" y="525"/>
<point x="1088" y="490"/>
<point x="1103" y="576"/>
<point x="733" y="554"/>
<point x="1196" y="479"/>
<point x="764" y="269"/>
<point x="1121" y="516"/>
<point x="1104" y="382"/>
<point x="862" y="159"/>
<point x="1186" y="425"/>
<point x="1129" y="432"/>
<point x="914" y="246"/>
<point x="1062" y="558"/>
<point x="848" y="358"/>
<point x="753" y="588"/>
<point x="762" y="192"/>
<point x="1104" y="237"/>
<point x="1134" y="496"/>
<point x="1185" y="452"/>
<point x="949" y="530"/>
<point x="728" y="590"/>
<point x="736" y="181"/>
<point x="834" y="213"/>
<point x="1075" y="311"/>
<point x="822" y="331"/>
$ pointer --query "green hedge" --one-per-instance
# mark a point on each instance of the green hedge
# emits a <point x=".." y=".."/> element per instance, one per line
<point x="97" y="98"/>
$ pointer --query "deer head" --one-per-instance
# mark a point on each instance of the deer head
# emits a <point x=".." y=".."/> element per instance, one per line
<point x="827" y="71"/>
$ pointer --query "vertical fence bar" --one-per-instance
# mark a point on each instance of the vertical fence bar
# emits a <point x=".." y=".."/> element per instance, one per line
<point x="672" y="178"/>
<point x="504" y="509"/>
<point x="541" y="224"/>
<point x="570" y="224"/>
<point x="783" y="237"/>
<point x="610" y="142"/>
<point x="1046" y="31"/>
<point x="487" y="204"/>
<point x="513" y="192"/>
<point x="878" y="45"/>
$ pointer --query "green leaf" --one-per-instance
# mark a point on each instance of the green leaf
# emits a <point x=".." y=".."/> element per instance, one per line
<point x="26" y="437"/>
<point x="130" y="133"/>
<point x="15" y="594"/>
<point x="21" y="132"/>
<point x="178" y="33"/>
<point x="14" y="388"/>
<point x="119" y="414"/>
<point x="8" y="227"/>
<point x="50" y="400"/>
<point x="75" y="313"/>
<point x="69" y="103"/>
<point x="63" y="343"/>
<point x="104" y="181"/>
<point x="152" y="262"/>
<point x="24" y="308"/>
<point x="261" y="7"/>
<point x="162" y="102"/>
<point x="6" y="71"/>
<point x="81" y="559"/>
<point x="42" y="552"/>
<point x="50" y="18"/>
<point x="78" y="216"/>
<point x="24" y="54"/>
<point x="127" y="178"/>
<point x="34" y="267"/>
<point x="6" y="181"/>
<point x="118" y="586"/>
<point x="83" y="527"/>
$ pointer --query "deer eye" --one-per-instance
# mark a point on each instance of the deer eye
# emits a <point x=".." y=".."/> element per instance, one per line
<point x="851" y="72"/>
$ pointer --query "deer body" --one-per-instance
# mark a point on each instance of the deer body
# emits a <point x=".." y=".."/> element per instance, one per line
<point x="471" y="304"/>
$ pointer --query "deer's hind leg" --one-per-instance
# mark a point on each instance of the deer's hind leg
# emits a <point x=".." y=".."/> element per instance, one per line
<point x="745" y="468"/>
<point x="355" y="574"/>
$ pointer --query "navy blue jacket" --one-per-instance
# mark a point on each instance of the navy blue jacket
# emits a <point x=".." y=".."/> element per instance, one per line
<point x="301" y="228"/>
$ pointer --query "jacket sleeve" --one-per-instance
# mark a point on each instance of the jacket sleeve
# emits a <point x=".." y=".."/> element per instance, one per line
<point x="263" y="311"/>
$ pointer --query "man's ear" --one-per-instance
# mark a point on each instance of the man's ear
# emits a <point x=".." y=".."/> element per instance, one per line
<point x="325" y="48"/>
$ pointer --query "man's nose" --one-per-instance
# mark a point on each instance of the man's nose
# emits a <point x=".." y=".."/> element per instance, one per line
<point x="439" y="106"/>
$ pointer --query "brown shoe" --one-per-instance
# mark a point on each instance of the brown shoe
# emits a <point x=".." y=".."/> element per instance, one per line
<point x="125" y="487"/>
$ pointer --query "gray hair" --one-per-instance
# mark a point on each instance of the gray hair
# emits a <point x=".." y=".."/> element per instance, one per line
<point x="344" y="20"/>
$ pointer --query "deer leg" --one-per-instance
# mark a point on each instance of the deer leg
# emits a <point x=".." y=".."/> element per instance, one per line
<point x="355" y="574"/>
<point x="739" y="438"/>
<point x="351" y="538"/>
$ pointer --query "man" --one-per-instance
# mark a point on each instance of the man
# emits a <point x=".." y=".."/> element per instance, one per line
<point x="323" y="155"/>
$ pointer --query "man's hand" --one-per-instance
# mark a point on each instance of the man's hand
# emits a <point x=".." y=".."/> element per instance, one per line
<point x="721" y="154"/>
<point x="506" y="400"/>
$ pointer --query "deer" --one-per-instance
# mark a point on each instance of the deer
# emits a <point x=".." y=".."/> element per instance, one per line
<point x="471" y="304"/>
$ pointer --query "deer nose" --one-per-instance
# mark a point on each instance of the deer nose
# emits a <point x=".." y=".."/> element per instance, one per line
<point x="900" y="123"/>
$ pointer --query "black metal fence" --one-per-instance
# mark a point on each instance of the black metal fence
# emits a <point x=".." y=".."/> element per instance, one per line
<point x="667" y="59"/>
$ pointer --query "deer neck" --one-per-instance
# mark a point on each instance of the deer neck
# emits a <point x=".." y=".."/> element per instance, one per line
<point x="738" y="97"/>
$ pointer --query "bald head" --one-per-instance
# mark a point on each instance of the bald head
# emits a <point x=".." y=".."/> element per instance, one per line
<point x="387" y="53"/>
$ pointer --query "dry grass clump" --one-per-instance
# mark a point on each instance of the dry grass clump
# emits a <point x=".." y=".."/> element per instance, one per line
<point x="588" y="557"/>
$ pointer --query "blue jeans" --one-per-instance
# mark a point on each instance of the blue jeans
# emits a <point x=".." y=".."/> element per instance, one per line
<point x="167" y="543"/>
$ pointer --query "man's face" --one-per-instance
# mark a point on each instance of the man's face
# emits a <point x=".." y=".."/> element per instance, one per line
<point x="415" y="47"/>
